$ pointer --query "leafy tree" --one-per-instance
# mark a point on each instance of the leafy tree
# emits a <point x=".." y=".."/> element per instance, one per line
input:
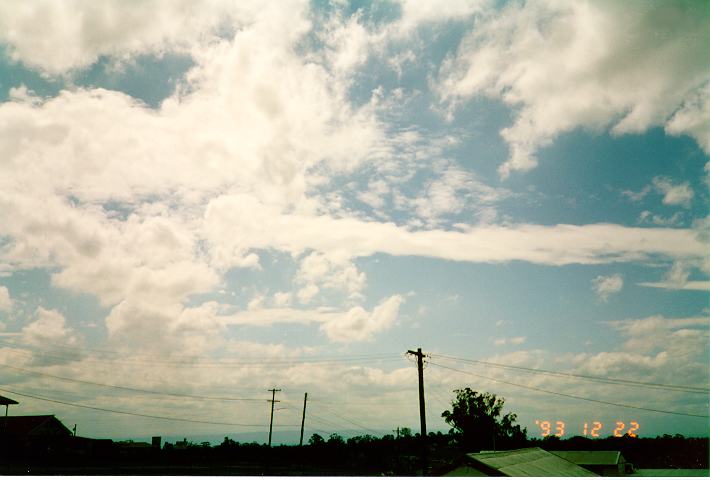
<point x="477" y="423"/>
<point x="336" y="439"/>
<point x="316" y="440"/>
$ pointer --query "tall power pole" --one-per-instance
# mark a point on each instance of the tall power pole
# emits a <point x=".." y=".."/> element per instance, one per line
<point x="273" y="400"/>
<point x="422" y="410"/>
<point x="303" y="419"/>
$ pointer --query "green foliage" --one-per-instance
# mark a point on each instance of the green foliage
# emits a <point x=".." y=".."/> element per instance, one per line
<point x="478" y="424"/>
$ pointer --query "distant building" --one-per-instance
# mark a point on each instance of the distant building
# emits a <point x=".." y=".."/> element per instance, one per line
<point x="608" y="463"/>
<point x="525" y="462"/>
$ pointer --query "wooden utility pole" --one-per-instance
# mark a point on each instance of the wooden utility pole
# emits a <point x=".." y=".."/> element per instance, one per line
<point x="303" y="419"/>
<point x="273" y="400"/>
<point x="422" y="410"/>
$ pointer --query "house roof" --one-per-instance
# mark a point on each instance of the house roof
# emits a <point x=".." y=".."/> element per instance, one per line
<point x="591" y="457"/>
<point x="530" y="462"/>
<point x="33" y="425"/>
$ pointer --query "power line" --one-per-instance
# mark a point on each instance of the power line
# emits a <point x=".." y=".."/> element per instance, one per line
<point x="615" y="381"/>
<point x="134" y="414"/>
<point x="134" y="389"/>
<point x="348" y="420"/>
<point x="257" y="360"/>
<point x="317" y="418"/>
<point x="576" y="397"/>
<point x="228" y="363"/>
<point x="321" y="419"/>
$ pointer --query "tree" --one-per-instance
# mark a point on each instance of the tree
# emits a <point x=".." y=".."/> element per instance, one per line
<point x="477" y="423"/>
<point x="316" y="440"/>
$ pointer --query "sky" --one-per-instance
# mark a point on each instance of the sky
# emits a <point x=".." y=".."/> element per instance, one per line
<point x="203" y="200"/>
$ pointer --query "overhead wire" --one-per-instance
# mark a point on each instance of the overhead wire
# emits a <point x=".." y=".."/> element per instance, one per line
<point x="568" y="395"/>
<point x="350" y="421"/>
<point x="312" y="416"/>
<point x="616" y="381"/>
<point x="323" y="420"/>
<point x="221" y="363"/>
<point x="122" y="412"/>
<point x="134" y="389"/>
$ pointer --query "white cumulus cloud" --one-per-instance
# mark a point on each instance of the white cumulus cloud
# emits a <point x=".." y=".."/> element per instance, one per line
<point x="674" y="194"/>
<point x="564" y="65"/>
<point x="605" y="287"/>
<point x="5" y="299"/>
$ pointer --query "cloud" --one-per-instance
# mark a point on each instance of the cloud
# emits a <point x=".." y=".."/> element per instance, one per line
<point x="453" y="192"/>
<point x="318" y="271"/>
<point x="605" y="287"/>
<point x="57" y="37"/>
<point x="111" y="194"/>
<point x="229" y="228"/>
<point x="48" y="326"/>
<point x="588" y="65"/>
<point x="353" y="325"/>
<point x="282" y="299"/>
<point x="693" y="118"/>
<point x="677" y="279"/>
<point x="48" y="330"/>
<point x="673" y="194"/>
<point x="700" y="285"/>
<point x="637" y="196"/>
<point x="648" y="217"/>
<point x="657" y="334"/>
<point x="415" y="13"/>
<point x="5" y="300"/>
<point x="359" y="325"/>
<point x="680" y="194"/>
<point x="498" y="342"/>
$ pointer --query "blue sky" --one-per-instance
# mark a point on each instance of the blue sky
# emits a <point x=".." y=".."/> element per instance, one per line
<point x="209" y="199"/>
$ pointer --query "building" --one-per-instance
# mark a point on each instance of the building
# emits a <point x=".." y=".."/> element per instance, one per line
<point x="525" y="462"/>
<point x="29" y="427"/>
<point x="608" y="463"/>
<point x="32" y="436"/>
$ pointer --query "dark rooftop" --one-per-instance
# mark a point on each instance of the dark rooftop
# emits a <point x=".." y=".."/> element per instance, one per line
<point x="33" y="425"/>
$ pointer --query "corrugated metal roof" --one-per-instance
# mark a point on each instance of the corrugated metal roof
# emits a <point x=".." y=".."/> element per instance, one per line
<point x="530" y="462"/>
<point x="591" y="457"/>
